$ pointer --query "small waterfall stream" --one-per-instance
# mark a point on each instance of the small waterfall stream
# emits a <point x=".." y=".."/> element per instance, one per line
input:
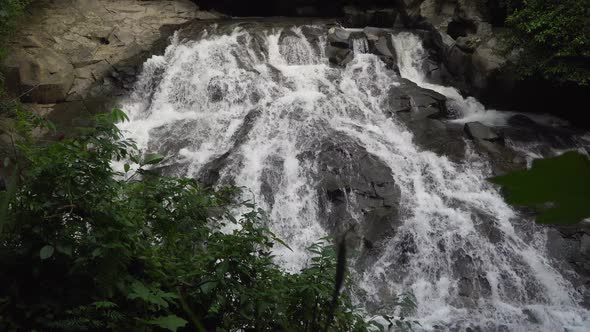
<point x="256" y="105"/>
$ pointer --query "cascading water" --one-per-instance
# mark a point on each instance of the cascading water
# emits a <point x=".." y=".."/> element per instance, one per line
<point x="255" y="103"/>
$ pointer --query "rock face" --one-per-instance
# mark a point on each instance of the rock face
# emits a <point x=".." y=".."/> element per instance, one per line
<point x="424" y="112"/>
<point x="82" y="53"/>
<point x="40" y="75"/>
<point x="477" y="131"/>
<point x="466" y="41"/>
<point x="465" y="31"/>
<point x="342" y="44"/>
<point x="570" y="245"/>
<point x="349" y="176"/>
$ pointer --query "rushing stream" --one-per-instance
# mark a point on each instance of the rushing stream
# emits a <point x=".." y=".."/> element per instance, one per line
<point x="257" y="105"/>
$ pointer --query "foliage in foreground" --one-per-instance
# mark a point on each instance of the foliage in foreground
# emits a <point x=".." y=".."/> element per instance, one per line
<point x="86" y="248"/>
<point x="558" y="188"/>
<point x="554" y="36"/>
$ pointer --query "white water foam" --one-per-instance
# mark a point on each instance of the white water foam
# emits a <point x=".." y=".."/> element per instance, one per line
<point x="193" y="101"/>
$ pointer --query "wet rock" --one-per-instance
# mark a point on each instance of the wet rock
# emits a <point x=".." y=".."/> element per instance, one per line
<point x="585" y="245"/>
<point x="359" y="42"/>
<point x="465" y="287"/>
<point x="425" y="103"/>
<point x="461" y="27"/>
<point x="552" y="137"/>
<point x="39" y="75"/>
<point x="210" y="173"/>
<point x="531" y="316"/>
<point x="483" y="286"/>
<point x="313" y="33"/>
<point x="463" y="265"/>
<point x="287" y="34"/>
<point x="384" y="46"/>
<point x="89" y="49"/>
<point x="440" y="137"/>
<point x="397" y="101"/>
<point x="339" y="37"/>
<point x="405" y="249"/>
<point x="570" y="247"/>
<point x="503" y="159"/>
<point x="467" y="44"/>
<point x="216" y="89"/>
<point x="478" y="131"/>
<point x="339" y="56"/>
<point x="351" y="179"/>
<point x="423" y="111"/>
<point x="487" y="226"/>
<point x="373" y="34"/>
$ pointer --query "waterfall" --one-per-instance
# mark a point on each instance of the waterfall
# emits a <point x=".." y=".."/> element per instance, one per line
<point x="360" y="45"/>
<point x="257" y="105"/>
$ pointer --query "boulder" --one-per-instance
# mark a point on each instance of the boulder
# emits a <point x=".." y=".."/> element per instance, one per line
<point x="570" y="246"/>
<point x="486" y="62"/>
<point x="89" y="50"/>
<point x="339" y="37"/>
<point x="359" y="42"/>
<point x="347" y="175"/>
<point x="425" y="103"/>
<point x="490" y="142"/>
<point x="40" y="75"/>
<point x="373" y="34"/>
<point x="478" y="131"/>
<point x="339" y="56"/>
<point x="384" y="46"/>
<point x="467" y="44"/>
<point x="397" y="101"/>
<point x="423" y="111"/>
<point x="521" y="130"/>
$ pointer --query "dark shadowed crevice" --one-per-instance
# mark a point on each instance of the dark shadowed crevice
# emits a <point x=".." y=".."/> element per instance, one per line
<point x="461" y="28"/>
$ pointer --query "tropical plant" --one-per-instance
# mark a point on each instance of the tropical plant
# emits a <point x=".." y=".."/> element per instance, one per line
<point x="85" y="247"/>
<point x="554" y="36"/>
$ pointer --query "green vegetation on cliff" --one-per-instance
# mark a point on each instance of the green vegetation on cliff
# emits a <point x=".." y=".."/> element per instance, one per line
<point x="84" y="247"/>
<point x="554" y="36"/>
<point x="10" y="11"/>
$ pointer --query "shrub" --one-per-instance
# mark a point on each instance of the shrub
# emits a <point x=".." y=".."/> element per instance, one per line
<point x="84" y="247"/>
<point x="554" y="36"/>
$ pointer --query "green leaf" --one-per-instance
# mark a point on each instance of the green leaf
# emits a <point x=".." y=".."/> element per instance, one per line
<point x="152" y="159"/>
<point x="46" y="252"/>
<point x="64" y="249"/>
<point x="207" y="287"/>
<point x="558" y="188"/>
<point x="104" y="305"/>
<point x="283" y="243"/>
<point x="140" y="291"/>
<point x="170" y="323"/>
<point x="5" y="198"/>
<point x="126" y="167"/>
<point x="119" y="116"/>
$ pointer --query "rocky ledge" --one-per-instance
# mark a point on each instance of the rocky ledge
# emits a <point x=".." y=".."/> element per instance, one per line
<point x="73" y="58"/>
